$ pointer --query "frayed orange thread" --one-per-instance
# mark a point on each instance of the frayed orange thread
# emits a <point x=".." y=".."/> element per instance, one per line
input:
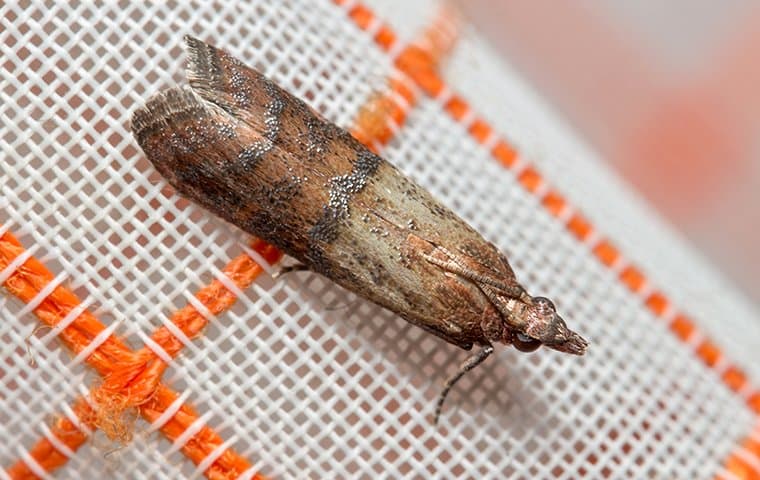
<point x="136" y="386"/>
<point x="419" y="63"/>
<point x="137" y="377"/>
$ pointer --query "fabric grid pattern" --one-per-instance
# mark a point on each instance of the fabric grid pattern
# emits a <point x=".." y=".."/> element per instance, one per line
<point x="131" y="314"/>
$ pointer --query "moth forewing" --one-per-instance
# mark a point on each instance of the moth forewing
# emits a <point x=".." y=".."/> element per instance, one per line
<point x="250" y="152"/>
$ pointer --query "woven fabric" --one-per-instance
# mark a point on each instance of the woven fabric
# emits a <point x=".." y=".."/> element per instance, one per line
<point x="298" y="378"/>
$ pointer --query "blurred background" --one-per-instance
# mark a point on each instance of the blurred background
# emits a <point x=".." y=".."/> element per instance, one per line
<point x="667" y="92"/>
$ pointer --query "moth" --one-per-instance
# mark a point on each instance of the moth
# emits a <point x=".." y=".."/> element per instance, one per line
<point x="248" y="151"/>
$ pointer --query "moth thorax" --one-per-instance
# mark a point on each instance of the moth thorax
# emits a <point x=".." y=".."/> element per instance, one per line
<point x="517" y="311"/>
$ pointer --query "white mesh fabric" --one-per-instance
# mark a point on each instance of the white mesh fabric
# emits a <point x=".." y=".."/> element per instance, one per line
<point x="300" y="377"/>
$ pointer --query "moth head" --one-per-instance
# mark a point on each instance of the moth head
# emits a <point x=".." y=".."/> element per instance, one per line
<point x="543" y="326"/>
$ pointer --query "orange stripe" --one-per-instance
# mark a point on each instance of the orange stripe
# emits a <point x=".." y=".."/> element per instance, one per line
<point x="740" y="468"/>
<point x="753" y="444"/>
<point x="607" y="253"/>
<point x="203" y="443"/>
<point x="579" y="227"/>
<point x="404" y="90"/>
<point x="682" y="327"/>
<point x="657" y="303"/>
<point x="417" y="63"/>
<point x="130" y="378"/>
<point x="385" y="38"/>
<point x="734" y="378"/>
<point x="632" y="278"/>
<point x="530" y="179"/>
<point x="554" y="203"/>
<point x="709" y="352"/>
<point x="363" y="16"/>
<point x="504" y="153"/>
<point x="480" y="130"/>
<point x="457" y="107"/>
<point x="44" y="452"/>
<point x="743" y="462"/>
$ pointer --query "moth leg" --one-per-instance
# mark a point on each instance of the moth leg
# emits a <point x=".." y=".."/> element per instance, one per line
<point x="472" y="362"/>
<point x="298" y="267"/>
<point x="452" y="265"/>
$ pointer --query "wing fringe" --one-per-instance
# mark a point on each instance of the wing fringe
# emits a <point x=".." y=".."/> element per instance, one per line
<point x="167" y="107"/>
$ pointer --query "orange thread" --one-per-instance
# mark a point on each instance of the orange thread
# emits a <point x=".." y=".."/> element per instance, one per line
<point x="371" y="125"/>
<point x="657" y="303"/>
<point x="29" y="279"/>
<point x="734" y="378"/>
<point x="131" y="379"/>
<point x="505" y="154"/>
<point x="632" y="278"/>
<point x="682" y="327"/>
<point x="480" y="130"/>
<point x="362" y="16"/>
<point x="530" y="179"/>
<point x="385" y="38"/>
<point x="738" y="462"/>
<point x="403" y="89"/>
<point x="579" y="227"/>
<point x="606" y="253"/>
<point x="45" y="453"/>
<point x="753" y="444"/>
<point x="709" y="352"/>
<point x="457" y="107"/>
<point x="419" y="64"/>
<point x="554" y="203"/>
<point x="201" y="444"/>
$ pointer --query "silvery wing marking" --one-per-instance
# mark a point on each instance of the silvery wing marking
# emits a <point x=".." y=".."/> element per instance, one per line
<point x="248" y="151"/>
